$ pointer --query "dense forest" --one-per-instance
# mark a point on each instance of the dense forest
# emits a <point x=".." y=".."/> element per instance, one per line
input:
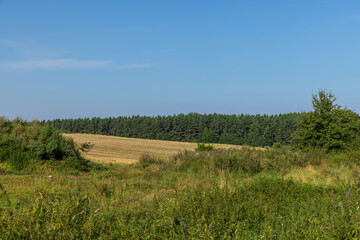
<point x="254" y="130"/>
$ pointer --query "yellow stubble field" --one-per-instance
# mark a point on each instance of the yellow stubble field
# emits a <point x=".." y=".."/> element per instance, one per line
<point x="110" y="149"/>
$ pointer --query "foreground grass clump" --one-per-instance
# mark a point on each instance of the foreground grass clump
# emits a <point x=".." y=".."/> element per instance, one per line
<point x="232" y="194"/>
<point x="247" y="160"/>
<point x="24" y="146"/>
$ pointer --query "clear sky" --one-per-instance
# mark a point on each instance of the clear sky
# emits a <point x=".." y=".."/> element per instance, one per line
<point x="70" y="59"/>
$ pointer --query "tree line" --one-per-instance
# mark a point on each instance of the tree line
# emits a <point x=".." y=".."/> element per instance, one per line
<point x="253" y="130"/>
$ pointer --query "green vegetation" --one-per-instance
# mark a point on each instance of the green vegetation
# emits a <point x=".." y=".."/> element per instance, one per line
<point x="26" y="146"/>
<point x="310" y="190"/>
<point x="204" y="147"/>
<point x="252" y="130"/>
<point x="329" y="126"/>
<point x="221" y="194"/>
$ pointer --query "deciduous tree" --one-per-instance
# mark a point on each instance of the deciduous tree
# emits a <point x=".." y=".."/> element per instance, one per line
<point x="328" y="126"/>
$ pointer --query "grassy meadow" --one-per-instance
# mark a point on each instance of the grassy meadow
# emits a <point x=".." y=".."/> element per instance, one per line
<point x="231" y="193"/>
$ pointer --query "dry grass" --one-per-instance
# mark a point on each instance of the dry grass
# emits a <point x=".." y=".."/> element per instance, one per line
<point x="109" y="149"/>
<point x="325" y="175"/>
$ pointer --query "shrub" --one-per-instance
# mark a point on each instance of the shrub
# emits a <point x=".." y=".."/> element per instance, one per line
<point x="203" y="147"/>
<point x="22" y="143"/>
<point x="276" y="145"/>
<point x="19" y="160"/>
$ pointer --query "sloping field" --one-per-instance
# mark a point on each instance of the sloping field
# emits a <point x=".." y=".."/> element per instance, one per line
<point x="129" y="150"/>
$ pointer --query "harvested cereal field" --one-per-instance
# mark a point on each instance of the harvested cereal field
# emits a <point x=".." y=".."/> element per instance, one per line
<point x="129" y="150"/>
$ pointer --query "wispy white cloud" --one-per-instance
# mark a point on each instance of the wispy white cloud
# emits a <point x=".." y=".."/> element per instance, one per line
<point x="42" y="58"/>
<point x="33" y="50"/>
<point x="133" y="66"/>
<point x="54" y="64"/>
<point x="66" y="64"/>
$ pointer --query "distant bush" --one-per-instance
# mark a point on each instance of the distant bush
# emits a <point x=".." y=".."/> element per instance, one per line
<point x="24" y="144"/>
<point x="203" y="147"/>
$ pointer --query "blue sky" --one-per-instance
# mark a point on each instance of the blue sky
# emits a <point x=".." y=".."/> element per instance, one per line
<point x="70" y="59"/>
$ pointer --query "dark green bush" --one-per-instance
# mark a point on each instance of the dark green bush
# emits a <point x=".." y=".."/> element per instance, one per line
<point x="22" y="143"/>
<point x="19" y="160"/>
<point x="203" y="147"/>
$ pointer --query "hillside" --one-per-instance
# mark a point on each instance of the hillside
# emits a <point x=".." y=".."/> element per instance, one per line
<point x="129" y="150"/>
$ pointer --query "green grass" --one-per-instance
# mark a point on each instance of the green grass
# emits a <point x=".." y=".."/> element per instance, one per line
<point x="222" y="194"/>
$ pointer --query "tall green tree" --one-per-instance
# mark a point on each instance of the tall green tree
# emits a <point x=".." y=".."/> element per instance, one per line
<point x="255" y="130"/>
<point x="328" y="126"/>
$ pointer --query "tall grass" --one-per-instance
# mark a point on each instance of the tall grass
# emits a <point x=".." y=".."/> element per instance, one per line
<point x="246" y="160"/>
<point x="234" y="194"/>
